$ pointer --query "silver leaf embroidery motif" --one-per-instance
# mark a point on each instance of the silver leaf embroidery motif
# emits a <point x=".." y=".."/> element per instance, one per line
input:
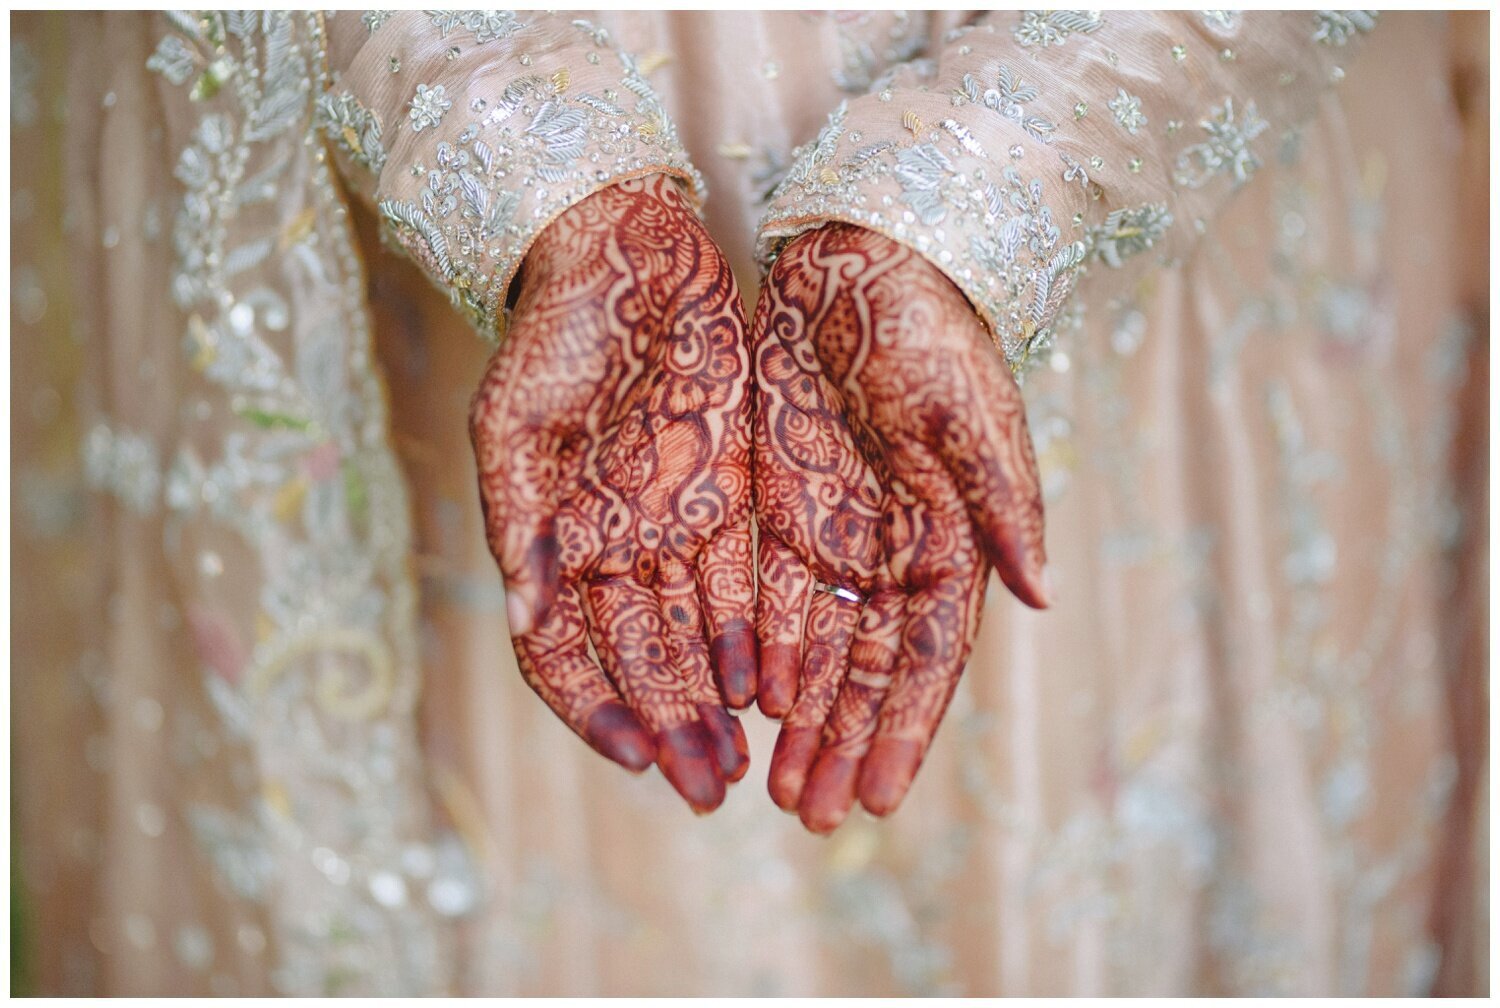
<point x="921" y="170"/>
<point x="353" y="127"/>
<point x="1128" y="231"/>
<point x="1047" y="28"/>
<point x="1009" y="97"/>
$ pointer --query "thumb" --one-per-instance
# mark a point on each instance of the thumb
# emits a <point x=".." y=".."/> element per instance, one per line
<point x="518" y="479"/>
<point x="986" y="448"/>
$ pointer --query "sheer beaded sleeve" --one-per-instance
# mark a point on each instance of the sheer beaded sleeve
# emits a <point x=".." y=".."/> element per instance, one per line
<point x="472" y="130"/>
<point x="1040" y="147"/>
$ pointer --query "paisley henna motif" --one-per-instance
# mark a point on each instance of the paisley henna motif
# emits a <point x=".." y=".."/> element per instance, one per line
<point x="893" y="459"/>
<point x="611" y="431"/>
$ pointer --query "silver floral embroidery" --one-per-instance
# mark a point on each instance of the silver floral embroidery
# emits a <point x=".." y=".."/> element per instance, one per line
<point x="1336" y="28"/>
<point x="1014" y="264"/>
<point x="353" y="127"/>
<point x="429" y="106"/>
<point x="1045" y="28"/>
<point x="1227" y="149"/>
<point x="373" y="19"/>
<point x="1009" y="97"/>
<point x="485" y="25"/>
<point x="125" y="464"/>
<point x="467" y="228"/>
<point x="1221" y="20"/>
<point x="303" y="487"/>
<point x="1127" y="232"/>
<point x="1127" y="110"/>
<point x="1036" y="274"/>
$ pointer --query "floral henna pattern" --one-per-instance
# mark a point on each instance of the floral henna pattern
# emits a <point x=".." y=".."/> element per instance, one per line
<point x="892" y="459"/>
<point x="611" y="432"/>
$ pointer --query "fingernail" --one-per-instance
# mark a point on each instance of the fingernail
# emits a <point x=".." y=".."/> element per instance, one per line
<point x="792" y="758"/>
<point x="519" y="614"/>
<point x="616" y="734"/>
<point x="887" y="774"/>
<point x="730" y="747"/>
<point x="685" y="755"/>
<point x="734" y="655"/>
<point x="780" y="667"/>
<point x="829" y="793"/>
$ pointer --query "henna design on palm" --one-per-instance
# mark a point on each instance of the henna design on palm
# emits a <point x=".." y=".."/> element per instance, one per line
<point x="611" y="432"/>
<point x="892" y="459"/>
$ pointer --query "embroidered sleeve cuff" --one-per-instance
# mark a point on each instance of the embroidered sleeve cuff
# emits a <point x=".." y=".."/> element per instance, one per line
<point x="1042" y="145"/>
<point x="477" y="129"/>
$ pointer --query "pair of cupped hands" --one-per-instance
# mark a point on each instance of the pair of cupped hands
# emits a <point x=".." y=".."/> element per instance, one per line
<point x="631" y="425"/>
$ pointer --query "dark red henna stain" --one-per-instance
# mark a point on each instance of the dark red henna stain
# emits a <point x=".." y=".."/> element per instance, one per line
<point x="731" y="748"/>
<point x="686" y="756"/>
<point x="616" y="734"/>
<point x="735" y="654"/>
<point x="780" y="669"/>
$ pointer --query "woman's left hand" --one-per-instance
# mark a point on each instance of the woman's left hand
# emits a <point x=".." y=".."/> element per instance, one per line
<point x="893" y="468"/>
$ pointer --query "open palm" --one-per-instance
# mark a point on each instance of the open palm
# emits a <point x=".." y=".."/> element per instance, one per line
<point x="612" y="437"/>
<point x="893" y="469"/>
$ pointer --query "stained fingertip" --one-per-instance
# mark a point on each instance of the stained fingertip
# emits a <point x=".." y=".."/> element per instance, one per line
<point x="1029" y="587"/>
<point x="792" y="758"/>
<point x="617" y="734"/>
<point x="829" y="793"/>
<point x="886" y="776"/>
<point x="735" y="657"/>
<point x="685" y="754"/>
<point x="730" y="746"/>
<point x="780" y="669"/>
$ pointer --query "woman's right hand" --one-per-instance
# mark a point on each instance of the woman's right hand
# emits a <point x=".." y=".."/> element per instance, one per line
<point x="611" y="432"/>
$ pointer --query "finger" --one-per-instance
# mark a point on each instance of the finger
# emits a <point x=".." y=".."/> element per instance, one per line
<point x="986" y="447"/>
<point x="555" y="662"/>
<point x="780" y="615"/>
<point x="726" y="582"/>
<point x="682" y="619"/>
<point x="626" y="627"/>
<point x="829" y="792"/>
<point x="941" y="621"/>
<point x="830" y="627"/>
<point x="517" y="490"/>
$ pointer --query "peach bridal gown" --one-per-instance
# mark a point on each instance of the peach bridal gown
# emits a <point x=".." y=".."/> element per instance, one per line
<point x="267" y="732"/>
